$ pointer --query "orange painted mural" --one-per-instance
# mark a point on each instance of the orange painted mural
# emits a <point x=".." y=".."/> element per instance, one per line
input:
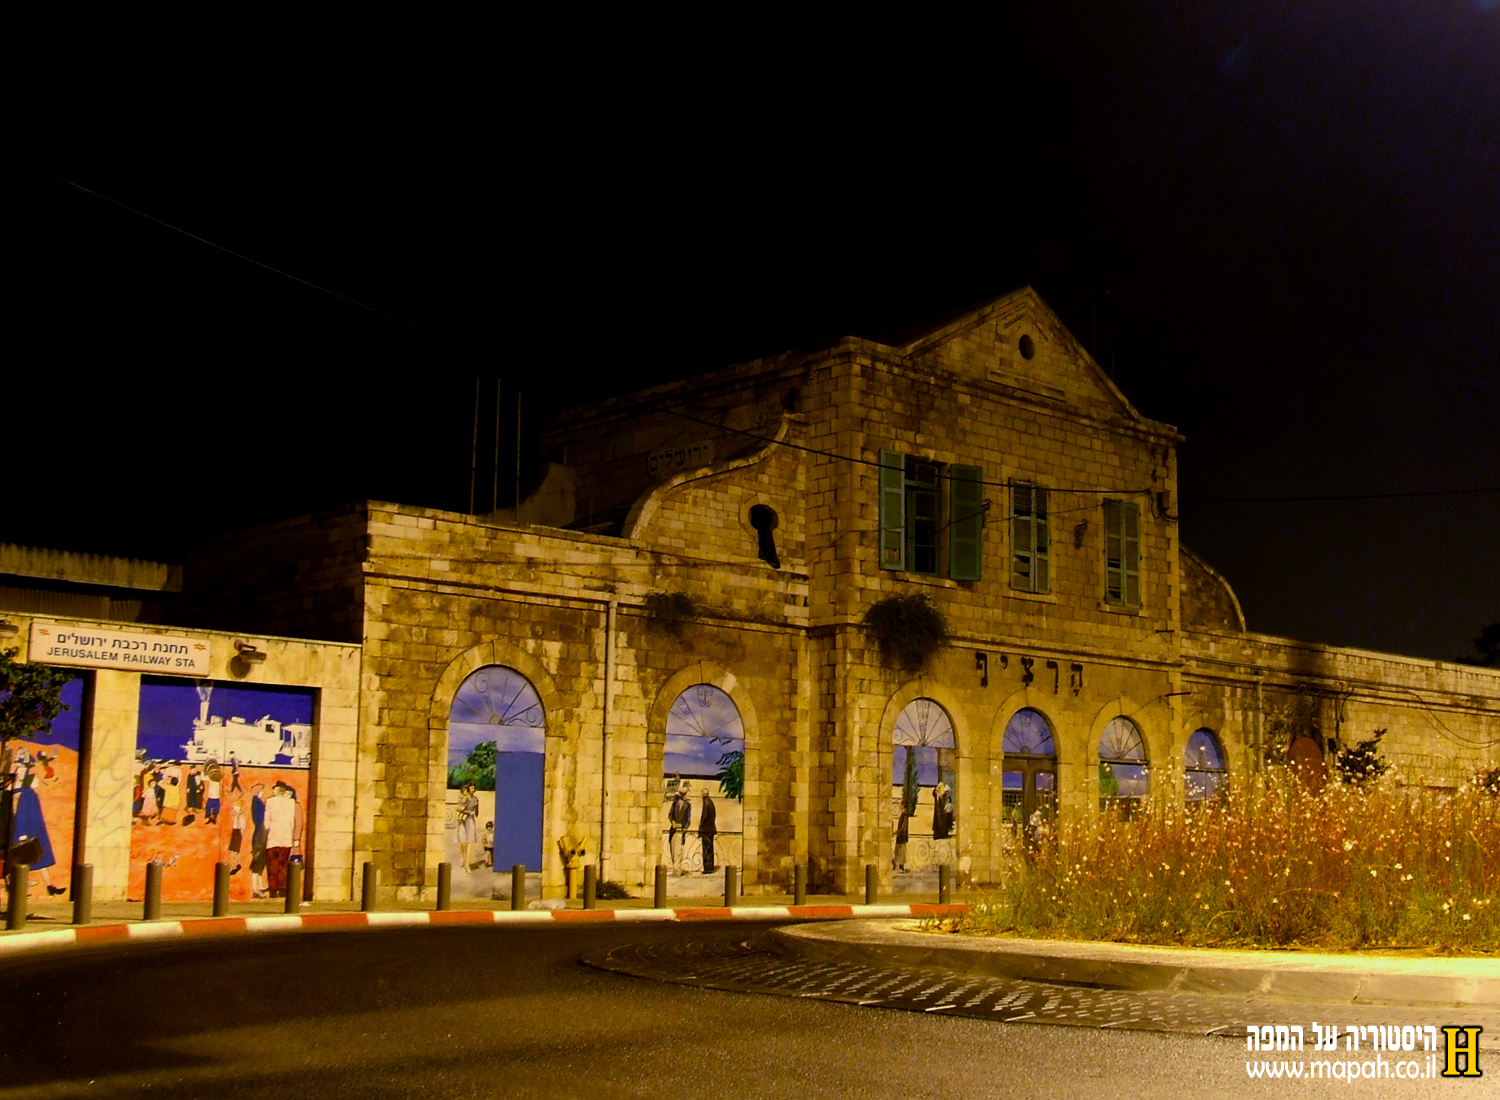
<point x="40" y="775"/>
<point x="222" y="775"/>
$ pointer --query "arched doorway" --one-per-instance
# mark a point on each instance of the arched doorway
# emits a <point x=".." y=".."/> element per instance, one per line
<point x="496" y="784"/>
<point x="1305" y="758"/>
<point x="703" y="766"/>
<point x="924" y="795"/>
<point x="1124" y="772"/>
<point x="1029" y="778"/>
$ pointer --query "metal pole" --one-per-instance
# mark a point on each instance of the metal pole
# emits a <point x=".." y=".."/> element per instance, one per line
<point x="731" y="886"/>
<point x="590" y="885"/>
<point x="20" y="883"/>
<point x="474" y="454"/>
<point x="221" y="889"/>
<point x="872" y="883"/>
<point x="83" y="893"/>
<point x="367" y="891"/>
<point x="445" y="885"/>
<point x="518" y="886"/>
<point x="945" y="894"/>
<point x="659" y="894"/>
<point x="799" y="884"/>
<point x="152" y="909"/>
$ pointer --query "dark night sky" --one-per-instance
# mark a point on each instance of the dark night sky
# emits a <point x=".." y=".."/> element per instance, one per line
<point x="1278" y="224"/>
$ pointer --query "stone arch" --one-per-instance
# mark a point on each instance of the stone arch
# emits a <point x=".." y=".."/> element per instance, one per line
<point x="1025" y="699"/>
<point x="970" y="808"/>
<point x="557" y="760"/>
<point x="1152" y="737"/>
<point x="714" y="675"/>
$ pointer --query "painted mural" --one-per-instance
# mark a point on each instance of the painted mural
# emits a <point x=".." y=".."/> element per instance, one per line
<point x="703" y="765"/>
<point x="924" y="798"/>
<point x="221" y="774"/>
<point x="497" y="736"/>
<point x="40" y="777"/>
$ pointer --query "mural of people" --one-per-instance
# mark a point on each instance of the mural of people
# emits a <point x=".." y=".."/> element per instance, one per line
<point x="198" y="742"/>
<point x="707" y="830"/>
<point x="704" y="758"/>
<point x="924" y="803"/>
<point x="497" y="740"/>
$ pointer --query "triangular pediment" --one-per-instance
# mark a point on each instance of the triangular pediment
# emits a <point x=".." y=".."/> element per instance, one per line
<point x="1016" y="343"/>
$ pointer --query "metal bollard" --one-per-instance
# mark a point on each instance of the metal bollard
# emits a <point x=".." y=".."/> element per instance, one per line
<point x="659" y="894"/>
<point x="221" y="889"/>
<point x="731" y="886"/>
<point x="293" y="887"/>
<point x="368" y="888"/>
<point x="799" y="884"/>
<point x="83" y="893"/>
<point x="20" y="883"/>
<point x="872" y="883"/>
<point x="518" y="886"/>
<point x="590" y="886"/>
<point x="945" y="894"/>
<point x="445" y="885"/>
<point x="152" y="908"/>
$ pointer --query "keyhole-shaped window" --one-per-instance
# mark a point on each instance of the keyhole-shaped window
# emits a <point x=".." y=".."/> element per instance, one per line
<point x="764" y="520"/>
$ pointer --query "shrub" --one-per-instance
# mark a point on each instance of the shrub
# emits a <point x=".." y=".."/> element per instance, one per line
<point x="908" y="629"/>
<point x="1355" y="866"/>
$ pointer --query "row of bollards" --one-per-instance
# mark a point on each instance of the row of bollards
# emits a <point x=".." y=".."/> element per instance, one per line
<point x="83" y="889"/>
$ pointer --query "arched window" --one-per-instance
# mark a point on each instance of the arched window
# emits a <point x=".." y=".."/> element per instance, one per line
<point x="1124" y="773"/>
<point x="497" y="736"/>
<point x="1204" y="772"/>
<point x="703" y="766"/>
<point x="924" y="798"/>
<point x="1029" y="779"/>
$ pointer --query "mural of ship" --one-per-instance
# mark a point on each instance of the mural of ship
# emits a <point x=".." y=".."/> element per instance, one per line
<point x="265" y="742"/>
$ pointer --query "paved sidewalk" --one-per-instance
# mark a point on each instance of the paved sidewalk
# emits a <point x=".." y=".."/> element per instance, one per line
<point x="1289" y="975"/>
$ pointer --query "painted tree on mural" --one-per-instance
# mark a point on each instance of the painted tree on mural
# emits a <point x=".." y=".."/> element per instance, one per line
<point x="478" y="768"/>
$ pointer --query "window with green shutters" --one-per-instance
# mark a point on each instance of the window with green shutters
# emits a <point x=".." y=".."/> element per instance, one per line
<point x="966" y="530"/>
<point x="1122" y="554"/>
<point x="1028" y="538"/>
<point x="913" y="532"/>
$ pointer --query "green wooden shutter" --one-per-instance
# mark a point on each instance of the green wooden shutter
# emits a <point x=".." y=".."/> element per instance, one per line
<point x="892" y="510"/>
<point x="1113" y="590"/>
<point x="1131" y="561"/>
<point x="1040" y="547"/>
<point x="966" y="531"/>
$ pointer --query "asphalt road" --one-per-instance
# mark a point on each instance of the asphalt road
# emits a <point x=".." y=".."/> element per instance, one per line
<point x="455" y="1013"/>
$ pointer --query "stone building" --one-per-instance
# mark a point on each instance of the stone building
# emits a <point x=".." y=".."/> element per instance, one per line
<point x="723" y="538"/>
<point x="681" y="608"/>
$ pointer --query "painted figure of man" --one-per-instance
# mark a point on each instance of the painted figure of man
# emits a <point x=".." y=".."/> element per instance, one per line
<point x="257" y="841"/>
<point x="707" y="828"/>
<point x="679" y="818"/>
<point x="283" y="834"/>
<point x="942" y="812"/>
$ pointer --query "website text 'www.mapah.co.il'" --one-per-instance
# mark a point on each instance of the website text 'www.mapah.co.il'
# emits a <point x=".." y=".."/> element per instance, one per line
<point x="1399" y="1052"/>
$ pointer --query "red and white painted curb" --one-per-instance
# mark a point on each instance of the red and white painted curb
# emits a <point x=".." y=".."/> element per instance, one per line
<point x="209" y="927"/>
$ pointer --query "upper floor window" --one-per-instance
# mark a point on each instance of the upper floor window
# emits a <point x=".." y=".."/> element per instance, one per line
<point x="1028" y="538"/>
<point x="920" y="531"/>
<point x="1122" y="554"/>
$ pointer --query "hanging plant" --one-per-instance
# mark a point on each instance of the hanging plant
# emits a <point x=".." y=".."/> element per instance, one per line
<point x="672" y="609"/>
<point x="908" y="629"/>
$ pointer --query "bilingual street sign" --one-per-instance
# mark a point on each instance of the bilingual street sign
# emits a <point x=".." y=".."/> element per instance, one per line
<point x="125" y="650"/>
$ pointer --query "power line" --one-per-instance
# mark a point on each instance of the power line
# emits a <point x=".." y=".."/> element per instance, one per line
<point x="252" y="260"/>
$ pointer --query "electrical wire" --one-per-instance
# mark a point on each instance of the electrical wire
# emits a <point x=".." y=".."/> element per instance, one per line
<point x="258" y="263"/>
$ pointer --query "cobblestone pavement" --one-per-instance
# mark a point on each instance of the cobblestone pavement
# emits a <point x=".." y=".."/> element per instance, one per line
<point x="756" y="964"/>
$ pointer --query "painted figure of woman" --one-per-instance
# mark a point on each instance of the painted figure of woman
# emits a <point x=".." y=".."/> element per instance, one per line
<point x="27" y="823"/>
<point x="468" y="824"/>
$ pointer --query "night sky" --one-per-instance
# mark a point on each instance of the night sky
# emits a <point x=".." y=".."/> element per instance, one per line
<point x="1277" y="225"/>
